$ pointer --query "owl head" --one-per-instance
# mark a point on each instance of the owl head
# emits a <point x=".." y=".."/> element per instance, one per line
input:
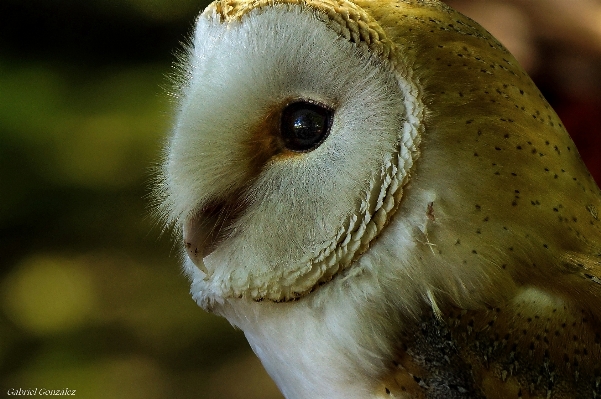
<point x="310" y="134"/>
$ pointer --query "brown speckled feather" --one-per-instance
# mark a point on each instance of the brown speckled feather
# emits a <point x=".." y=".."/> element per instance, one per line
<point x="500" y="353"/>
<point x="532" y="199"/>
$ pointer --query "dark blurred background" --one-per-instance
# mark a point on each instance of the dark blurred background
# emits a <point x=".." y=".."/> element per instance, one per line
<point x="91" y="294"/>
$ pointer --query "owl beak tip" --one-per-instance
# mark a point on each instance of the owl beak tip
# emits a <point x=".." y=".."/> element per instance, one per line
<point x="195" y="255"/>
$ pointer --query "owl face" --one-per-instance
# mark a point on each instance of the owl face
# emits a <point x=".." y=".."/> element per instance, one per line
<point x="290" y="150"/>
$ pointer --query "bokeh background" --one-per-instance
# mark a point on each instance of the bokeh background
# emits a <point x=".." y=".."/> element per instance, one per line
<point x="91" y="294"/>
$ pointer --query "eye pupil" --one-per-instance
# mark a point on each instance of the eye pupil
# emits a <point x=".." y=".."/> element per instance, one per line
<point x="305" y="125"/>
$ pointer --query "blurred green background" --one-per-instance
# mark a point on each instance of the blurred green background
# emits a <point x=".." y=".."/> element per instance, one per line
<point x="91" y="293"/>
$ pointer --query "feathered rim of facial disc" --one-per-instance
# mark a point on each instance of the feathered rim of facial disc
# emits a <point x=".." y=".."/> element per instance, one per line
<point x="344" y="17"/>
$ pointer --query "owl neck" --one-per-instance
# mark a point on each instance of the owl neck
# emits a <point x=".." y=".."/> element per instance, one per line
<point x="335" y="343"/>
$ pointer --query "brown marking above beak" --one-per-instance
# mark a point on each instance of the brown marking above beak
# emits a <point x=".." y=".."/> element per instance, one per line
<point x="207" y="228"/>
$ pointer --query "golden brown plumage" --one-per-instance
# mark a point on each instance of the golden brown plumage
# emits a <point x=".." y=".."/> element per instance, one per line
<point x="529" y="191"/>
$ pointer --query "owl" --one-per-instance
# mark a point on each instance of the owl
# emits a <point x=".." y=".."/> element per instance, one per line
<point x="377" y="194"/>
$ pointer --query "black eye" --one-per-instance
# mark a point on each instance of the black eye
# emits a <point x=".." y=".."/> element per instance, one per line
<point x="305" y="125"/>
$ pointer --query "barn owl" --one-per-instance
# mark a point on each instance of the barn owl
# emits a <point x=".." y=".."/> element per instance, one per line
<point x="377" y="194"/>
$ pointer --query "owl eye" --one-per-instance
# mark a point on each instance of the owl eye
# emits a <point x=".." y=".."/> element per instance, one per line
<point x="305" y="125"/>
